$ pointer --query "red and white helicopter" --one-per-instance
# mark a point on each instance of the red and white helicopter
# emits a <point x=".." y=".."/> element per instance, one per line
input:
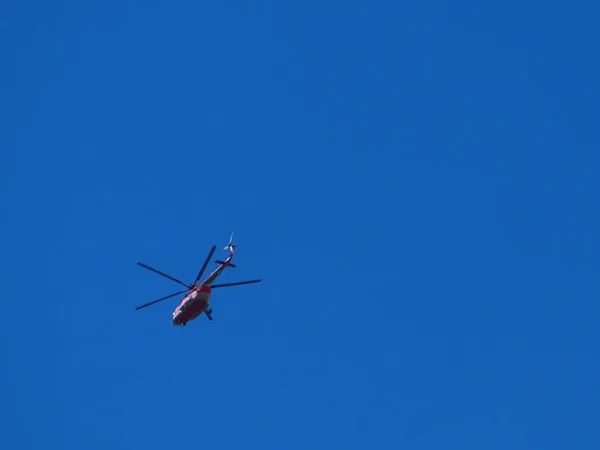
<point x="197" y="300"/>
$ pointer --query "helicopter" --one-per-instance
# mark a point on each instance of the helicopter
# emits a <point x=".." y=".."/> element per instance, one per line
<point x="197" y="299"/>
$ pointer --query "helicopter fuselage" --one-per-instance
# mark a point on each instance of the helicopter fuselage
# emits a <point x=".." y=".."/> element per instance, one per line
<point x="192" y="306"/>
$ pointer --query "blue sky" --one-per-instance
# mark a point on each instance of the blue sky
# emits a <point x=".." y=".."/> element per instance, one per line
<point x="415" y="182"/>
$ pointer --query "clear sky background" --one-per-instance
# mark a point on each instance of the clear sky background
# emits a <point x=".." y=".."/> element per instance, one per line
<point x="416" y="183"/>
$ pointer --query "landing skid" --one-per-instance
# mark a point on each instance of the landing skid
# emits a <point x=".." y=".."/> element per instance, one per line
<point x="208" y="313"/>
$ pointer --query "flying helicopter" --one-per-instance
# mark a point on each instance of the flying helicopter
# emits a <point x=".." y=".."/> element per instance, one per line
<point x="197" y="299"/>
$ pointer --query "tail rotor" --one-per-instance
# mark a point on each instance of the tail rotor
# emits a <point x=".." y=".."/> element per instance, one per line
<point x="230" y="246"/>
<point x="231" y="249"/>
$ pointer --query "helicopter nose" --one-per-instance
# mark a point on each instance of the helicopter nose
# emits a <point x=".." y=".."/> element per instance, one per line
<point x="174" y="320"/>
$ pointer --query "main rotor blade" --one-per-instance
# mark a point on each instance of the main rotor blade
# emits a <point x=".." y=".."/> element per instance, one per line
<point x="163" y="274"/>
<point x="214" y="286"/>
<point x="160" y="299"/>
<point x="212" y="250"/>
